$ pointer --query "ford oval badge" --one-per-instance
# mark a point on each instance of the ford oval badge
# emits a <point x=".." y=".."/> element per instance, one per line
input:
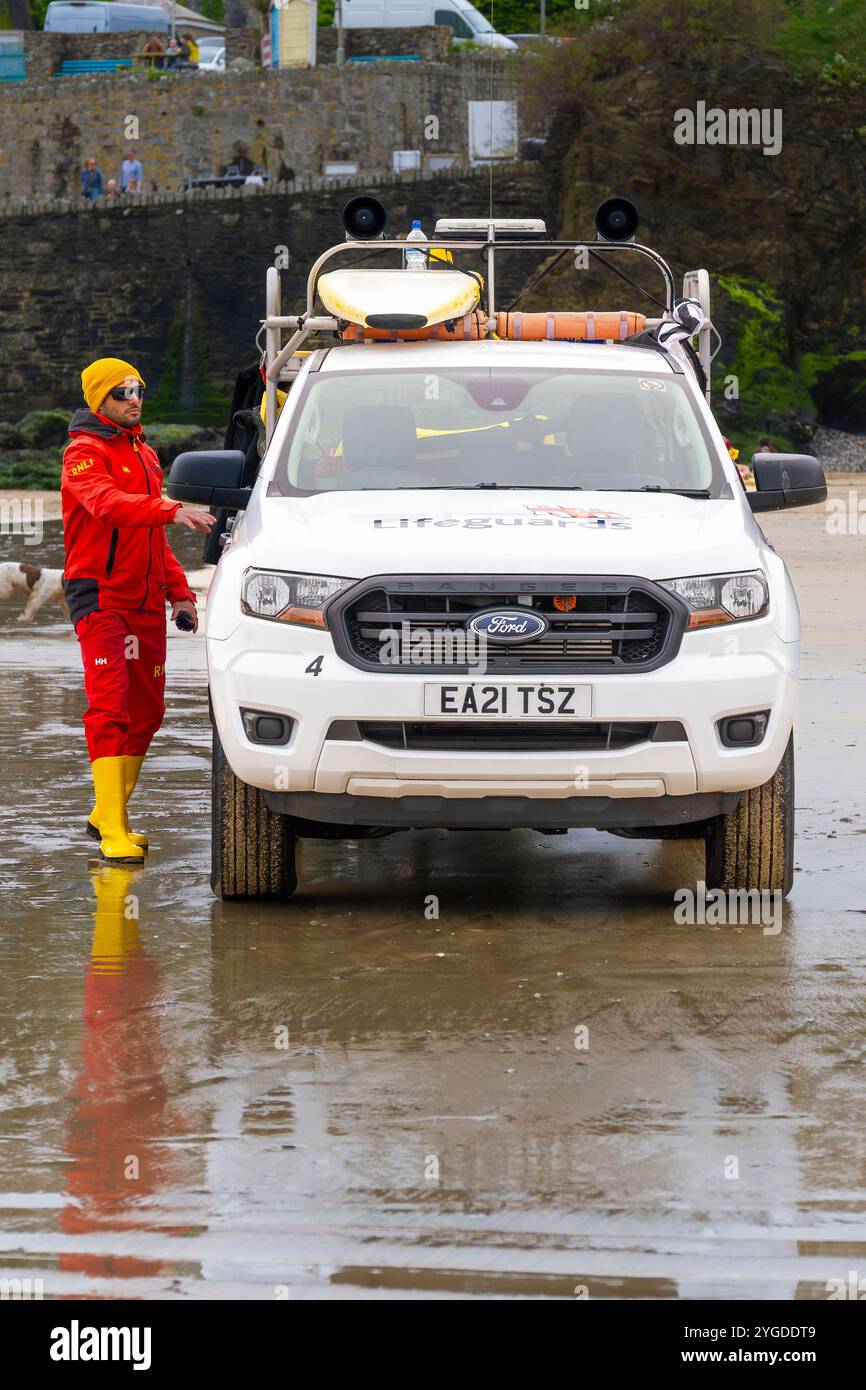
<point x="508" y="626"/>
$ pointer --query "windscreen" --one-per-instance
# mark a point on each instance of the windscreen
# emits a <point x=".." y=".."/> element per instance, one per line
<point x="475" y="19"/>
<point x="483" y="428"/>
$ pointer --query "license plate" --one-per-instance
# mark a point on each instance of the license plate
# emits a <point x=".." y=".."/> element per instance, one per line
<point x="477" y="699"/>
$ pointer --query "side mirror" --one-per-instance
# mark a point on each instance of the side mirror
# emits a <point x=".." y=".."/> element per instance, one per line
<point x="211" y="476"/>
<point x="786" y="480"/>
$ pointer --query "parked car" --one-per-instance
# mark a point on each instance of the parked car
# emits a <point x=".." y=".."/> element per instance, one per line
<point x="212" y="59"/>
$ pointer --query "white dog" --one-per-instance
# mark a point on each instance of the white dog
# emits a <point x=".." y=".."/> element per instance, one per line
<point x="40" y="585"/>
<point x="45" y="585"/>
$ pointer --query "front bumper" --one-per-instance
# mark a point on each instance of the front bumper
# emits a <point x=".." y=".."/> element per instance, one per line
<point x="271" y="667"/>
<point x="494" y="812"/>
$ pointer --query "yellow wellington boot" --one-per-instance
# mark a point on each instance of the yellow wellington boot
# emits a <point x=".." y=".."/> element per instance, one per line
<point x="131" y="769"/>
<point x="109" y="783"/>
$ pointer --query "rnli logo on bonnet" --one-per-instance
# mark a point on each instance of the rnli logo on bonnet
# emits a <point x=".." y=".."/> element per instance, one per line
<point x="508" y="625"/>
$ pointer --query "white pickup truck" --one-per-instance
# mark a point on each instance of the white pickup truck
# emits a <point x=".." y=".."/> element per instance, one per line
<point x="488" y="583"/>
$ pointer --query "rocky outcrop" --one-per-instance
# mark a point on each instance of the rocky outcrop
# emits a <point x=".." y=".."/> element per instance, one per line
<point x="781" y="234"/>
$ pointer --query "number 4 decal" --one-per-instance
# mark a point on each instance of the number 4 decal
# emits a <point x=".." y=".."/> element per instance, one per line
<point x="315" y="667"/>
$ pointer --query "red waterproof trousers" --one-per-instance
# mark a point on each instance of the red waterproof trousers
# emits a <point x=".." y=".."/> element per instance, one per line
<point x="124" y="680"/>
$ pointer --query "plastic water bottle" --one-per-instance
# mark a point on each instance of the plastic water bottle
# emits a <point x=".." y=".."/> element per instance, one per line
<point x="412" y="259"/>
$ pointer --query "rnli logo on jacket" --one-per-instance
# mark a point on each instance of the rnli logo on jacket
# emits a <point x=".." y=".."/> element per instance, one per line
<point x="81" y="467"/>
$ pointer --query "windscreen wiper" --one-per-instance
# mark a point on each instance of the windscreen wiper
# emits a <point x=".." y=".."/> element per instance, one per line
<point x="679" y="491"/>
<point x="530" y="487"/>
<point x="471" y="487"/>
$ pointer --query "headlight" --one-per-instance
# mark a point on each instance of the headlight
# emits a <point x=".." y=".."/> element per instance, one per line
<point x="722" y="598"/>
<point x="289" y="598"/>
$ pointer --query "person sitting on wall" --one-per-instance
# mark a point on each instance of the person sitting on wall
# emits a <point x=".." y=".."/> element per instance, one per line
<point x="178" y="53"/>
<point x="91" y="180"/>
<point x="193" y="56"/>
<point x="111" y="189"/>
<point x="154" y="51"/>
<point x="131" y="174"/>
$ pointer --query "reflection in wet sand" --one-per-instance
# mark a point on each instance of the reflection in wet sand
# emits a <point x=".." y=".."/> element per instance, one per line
<point x="119" y="1104"/>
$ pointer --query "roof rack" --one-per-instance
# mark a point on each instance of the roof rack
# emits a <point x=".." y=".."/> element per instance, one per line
<point x="616" y="221"/>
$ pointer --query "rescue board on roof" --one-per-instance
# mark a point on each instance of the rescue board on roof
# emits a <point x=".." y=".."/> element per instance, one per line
<point x="395" y="299"/>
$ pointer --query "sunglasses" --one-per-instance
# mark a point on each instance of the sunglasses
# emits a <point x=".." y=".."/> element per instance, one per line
<point x="127" y="393"/>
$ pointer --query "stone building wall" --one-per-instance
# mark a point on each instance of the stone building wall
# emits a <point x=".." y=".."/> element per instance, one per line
<point x="175" y="282"/>
<point x="194" y="124"/>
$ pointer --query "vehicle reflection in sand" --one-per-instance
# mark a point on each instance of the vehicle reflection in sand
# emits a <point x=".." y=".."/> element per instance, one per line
<point x="429" y="1128"/>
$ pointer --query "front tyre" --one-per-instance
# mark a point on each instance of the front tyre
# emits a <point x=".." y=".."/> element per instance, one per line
<point x="252" y="848"/>
<point x="753" y="847"/>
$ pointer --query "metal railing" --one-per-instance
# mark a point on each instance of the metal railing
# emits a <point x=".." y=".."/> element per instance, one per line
<point x="277" y="354"/>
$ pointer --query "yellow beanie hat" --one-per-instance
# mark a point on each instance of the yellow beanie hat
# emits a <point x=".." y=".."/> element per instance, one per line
<point x="102" y="376"/>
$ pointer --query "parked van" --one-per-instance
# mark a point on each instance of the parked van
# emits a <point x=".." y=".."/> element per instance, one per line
<point x="93" y="17"/>
<point x="467" y="23"/>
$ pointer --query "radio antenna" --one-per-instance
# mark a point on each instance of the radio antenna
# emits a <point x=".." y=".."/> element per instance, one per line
<point x="490" y="178"/>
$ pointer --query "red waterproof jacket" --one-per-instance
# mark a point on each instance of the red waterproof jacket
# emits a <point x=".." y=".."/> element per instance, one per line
<point x="114" y="519"/>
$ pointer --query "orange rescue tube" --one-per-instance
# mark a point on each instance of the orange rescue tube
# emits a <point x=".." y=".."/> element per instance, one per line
<point x="551" y="325"/>
<point x="561" y="325"/>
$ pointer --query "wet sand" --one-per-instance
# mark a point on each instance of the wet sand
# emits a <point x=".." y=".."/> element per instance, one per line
<point x="341" y="1097"/>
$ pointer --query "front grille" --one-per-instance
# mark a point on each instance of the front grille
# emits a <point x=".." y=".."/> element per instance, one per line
<point x="490" y="737"/>
<point x="419" y="624"/>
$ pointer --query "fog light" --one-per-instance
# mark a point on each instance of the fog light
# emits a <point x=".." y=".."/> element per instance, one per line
<point x="267" y="728"/>
<point x="743" y="730"/>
